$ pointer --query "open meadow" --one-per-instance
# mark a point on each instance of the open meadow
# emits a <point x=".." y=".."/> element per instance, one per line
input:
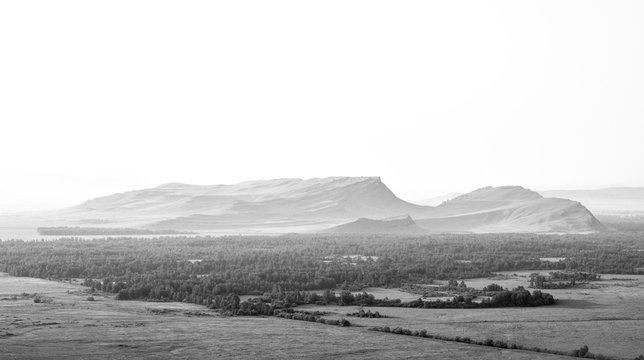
<point x="241" y="297"/>
<point x="65" y="325"/>
<point x="606" y="315"/>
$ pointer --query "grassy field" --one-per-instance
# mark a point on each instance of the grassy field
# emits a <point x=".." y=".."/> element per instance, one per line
<point x="606" y="315"/>
<point x="67" y="326"/>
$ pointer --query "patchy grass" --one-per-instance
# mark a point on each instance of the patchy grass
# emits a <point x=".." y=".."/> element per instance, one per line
<point x="73" y="328"/>
<point x="609" y="318"/>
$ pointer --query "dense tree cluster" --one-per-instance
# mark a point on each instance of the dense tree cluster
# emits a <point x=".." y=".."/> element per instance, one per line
<point x="493" y="287"/>
<point x="518" y="297"/>
<point x="201" y="269"/>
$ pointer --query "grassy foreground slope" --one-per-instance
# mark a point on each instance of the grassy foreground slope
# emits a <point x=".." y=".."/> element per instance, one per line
<point x="67" y="326"/>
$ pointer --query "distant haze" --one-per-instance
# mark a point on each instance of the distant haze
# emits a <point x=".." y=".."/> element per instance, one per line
<point x="336" y="204"/>
<point x="433" y="96"/>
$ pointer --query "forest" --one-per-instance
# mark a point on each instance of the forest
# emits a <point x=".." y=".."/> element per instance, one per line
<point x="198" y="269"/>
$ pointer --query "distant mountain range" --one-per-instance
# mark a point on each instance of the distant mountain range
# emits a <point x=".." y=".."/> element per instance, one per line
<point x="613" y="201"/>
<point x="501" y="210"/>
<point x="619" y="201"/>
<point x="336" y="204"/>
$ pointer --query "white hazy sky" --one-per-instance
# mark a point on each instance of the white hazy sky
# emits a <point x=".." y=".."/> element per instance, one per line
<point x="98" y="97"/>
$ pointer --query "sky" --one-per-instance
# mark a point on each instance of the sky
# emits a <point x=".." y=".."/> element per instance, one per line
<point x="432" y="96"/>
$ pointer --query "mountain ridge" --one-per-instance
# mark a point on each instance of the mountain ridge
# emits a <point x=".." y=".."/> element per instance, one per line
<point x="317" y="204"/>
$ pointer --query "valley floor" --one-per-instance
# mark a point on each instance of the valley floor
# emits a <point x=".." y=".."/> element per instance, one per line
<point x="65" y="325"/>
<point x="606" y="315"/>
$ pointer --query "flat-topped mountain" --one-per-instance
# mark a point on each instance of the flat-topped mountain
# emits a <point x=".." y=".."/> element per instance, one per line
<point x="319" y="204"/>
<point x="278" y="203"/>
<point x="320" y="195"/>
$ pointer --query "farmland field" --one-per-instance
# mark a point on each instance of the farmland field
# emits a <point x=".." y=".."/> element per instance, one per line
<point x="70" y="327"/>
<point x="195" y="297"/>
<point x="606" y="315"/>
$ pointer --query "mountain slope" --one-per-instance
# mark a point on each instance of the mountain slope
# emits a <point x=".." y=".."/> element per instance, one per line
<point x="509" y="209"/>
<point x="397" y="225"/>
<point x="310" y="205"/>
<point x="437" y="200"/>
<point x="264" y="203"/>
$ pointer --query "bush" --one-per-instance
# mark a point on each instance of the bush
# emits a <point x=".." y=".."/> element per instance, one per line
<point x="581" y="352"/>
<point x="90" y="298"/>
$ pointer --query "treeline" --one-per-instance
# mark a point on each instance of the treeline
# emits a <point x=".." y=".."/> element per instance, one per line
<point x="313" y="317"/>
<point x="518" y="297"/>
<point x="576" y="276"/>
<point x="165" y="268"/>
<point x="83" y="231"/>
<point x="582" y="352"/>
<point x="561" y="280"/>
<point x="273" y="303"/>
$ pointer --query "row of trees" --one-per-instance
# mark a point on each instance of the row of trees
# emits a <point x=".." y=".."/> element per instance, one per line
<point x="582" y="352"/>
<point x="561" y="279"/>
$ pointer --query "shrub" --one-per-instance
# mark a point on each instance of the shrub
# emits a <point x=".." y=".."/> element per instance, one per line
<point x="90" y="298"/>
<point x="581" y="352"/>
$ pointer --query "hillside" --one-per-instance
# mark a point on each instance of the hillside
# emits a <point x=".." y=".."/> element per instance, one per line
<point x="509" y="209"/>
<point x="437" y="200"/>
<point x="268" y="204"/>
<point x="312" y="205"/>
<point x="397" y="225"/>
